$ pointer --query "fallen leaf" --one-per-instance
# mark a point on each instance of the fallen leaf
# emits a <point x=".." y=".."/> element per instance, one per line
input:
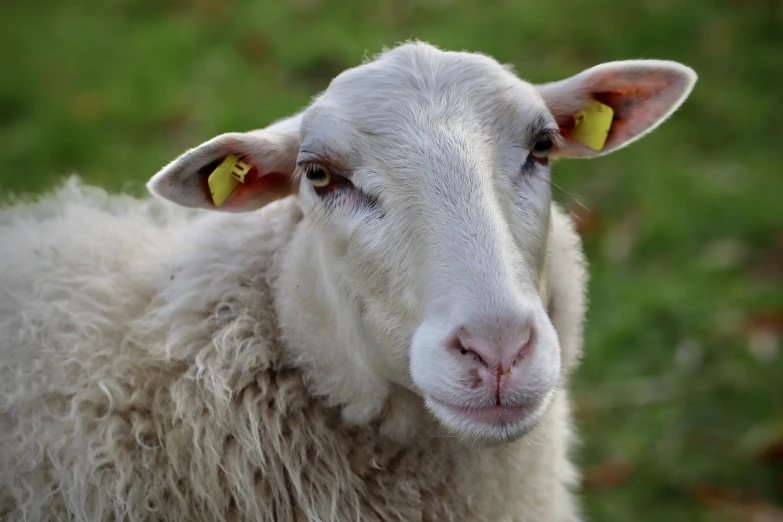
<point x="768" y="265"/>
<point x="714" y="496"/>
<point x="255" y="48"/>
<point x="607" y="476"/>
<point x="764" y="333"/>
<point x="213" y="11"/>
<point x="586" y="221"/>
<point x="740" y="506"/>
<point x="772" y="452"/>
<point x="770" y="320"/>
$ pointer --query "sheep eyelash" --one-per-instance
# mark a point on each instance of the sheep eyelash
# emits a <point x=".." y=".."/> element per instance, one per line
<point x="348" y="195"/>
<point x="554" y="135"/>
<point x="303" y="167"/>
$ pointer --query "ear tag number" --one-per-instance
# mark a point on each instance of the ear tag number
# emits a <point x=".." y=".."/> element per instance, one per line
<point x="226" y="177"/>
<point x="592" y="124"/>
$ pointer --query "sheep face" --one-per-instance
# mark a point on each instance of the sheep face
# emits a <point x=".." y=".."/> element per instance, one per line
<point x="427" y="176"/>
<point x="425" y="181"/>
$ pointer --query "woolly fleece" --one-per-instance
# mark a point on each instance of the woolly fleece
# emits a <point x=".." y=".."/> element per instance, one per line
<point x="142" y="378"/>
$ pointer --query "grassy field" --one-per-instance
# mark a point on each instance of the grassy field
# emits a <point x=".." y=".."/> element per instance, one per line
<point x="680" y="396"/>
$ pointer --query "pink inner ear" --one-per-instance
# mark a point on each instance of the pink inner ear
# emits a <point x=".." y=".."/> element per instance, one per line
<point x="635" y="110"/>
<point x="639" y="100"/>
<point x="258" y="190"/>
<point x="566" y="123"/>
<point x="641" y="94"/>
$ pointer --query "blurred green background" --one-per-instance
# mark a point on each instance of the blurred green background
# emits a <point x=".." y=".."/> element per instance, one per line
<point x="680" y="396"/>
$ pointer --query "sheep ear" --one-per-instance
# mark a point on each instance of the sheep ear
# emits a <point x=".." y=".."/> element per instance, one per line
<point x="271" y="154"/>
<point x="642" y="94"/>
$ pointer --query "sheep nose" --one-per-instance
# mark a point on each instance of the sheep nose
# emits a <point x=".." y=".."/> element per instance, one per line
<point x="500" y="350"/>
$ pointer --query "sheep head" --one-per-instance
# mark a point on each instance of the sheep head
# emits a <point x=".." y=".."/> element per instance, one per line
<point x="424" y="177"/>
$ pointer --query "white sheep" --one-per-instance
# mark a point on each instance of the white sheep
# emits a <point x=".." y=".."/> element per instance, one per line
<point x="390" y="341"/>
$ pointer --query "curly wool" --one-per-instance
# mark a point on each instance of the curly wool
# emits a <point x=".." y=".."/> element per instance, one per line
<point x="142" y="378"/>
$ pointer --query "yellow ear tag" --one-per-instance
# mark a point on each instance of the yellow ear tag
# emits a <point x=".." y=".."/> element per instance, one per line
<point x="225" y="179"/>
<point x="592" y="124"/>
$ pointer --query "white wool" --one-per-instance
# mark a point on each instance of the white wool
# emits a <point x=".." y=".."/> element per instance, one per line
<point x="145" y="381"/>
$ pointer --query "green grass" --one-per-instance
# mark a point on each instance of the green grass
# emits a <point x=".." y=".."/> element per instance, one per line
<point x="684" y="234"/>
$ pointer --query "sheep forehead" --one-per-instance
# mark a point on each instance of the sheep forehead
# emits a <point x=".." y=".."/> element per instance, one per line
<point x="415" y="105"/>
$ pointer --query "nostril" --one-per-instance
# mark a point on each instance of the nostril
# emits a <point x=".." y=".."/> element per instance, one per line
<point x="503" y="347"/>
<point x="467" y="352"/>
<point x="526" y="348"/>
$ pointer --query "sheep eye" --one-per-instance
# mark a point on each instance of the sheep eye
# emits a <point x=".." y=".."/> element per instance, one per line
<point x="319" y="176"/>
<point x="542" y="147"/>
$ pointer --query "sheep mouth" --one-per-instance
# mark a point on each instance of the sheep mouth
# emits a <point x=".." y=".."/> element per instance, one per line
<point x="492" y="415"/>
<point x="491" y="424"/>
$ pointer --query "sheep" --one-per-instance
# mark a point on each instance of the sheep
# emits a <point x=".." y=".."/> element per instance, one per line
<point x="378" y="324"/>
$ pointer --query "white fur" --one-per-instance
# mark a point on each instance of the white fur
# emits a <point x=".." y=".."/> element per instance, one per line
<point x="260" y="366"/>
